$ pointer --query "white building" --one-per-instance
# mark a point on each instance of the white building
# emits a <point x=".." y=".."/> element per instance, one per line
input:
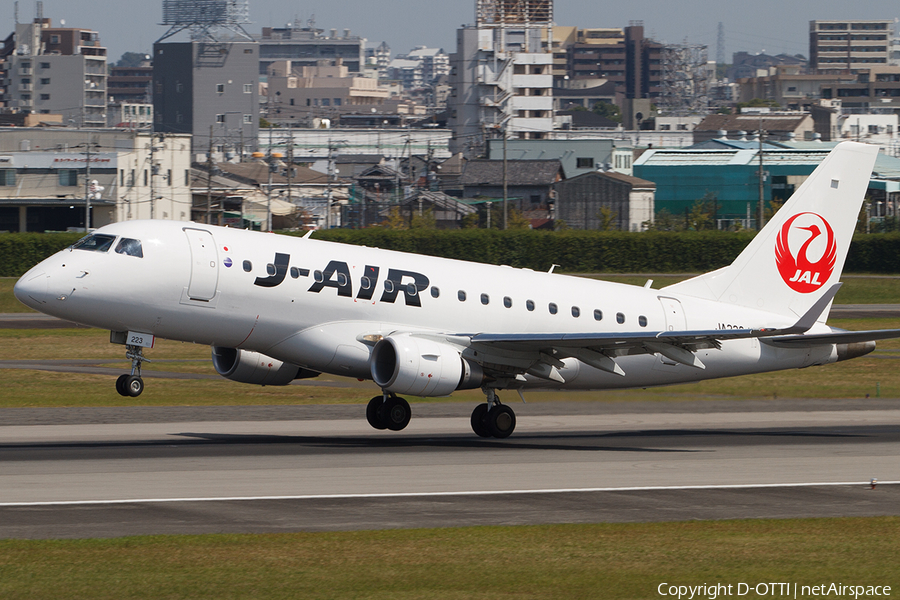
<point x="502" y="76"/>
<point x="45" y="180"/>
<point x="435" y="63"/>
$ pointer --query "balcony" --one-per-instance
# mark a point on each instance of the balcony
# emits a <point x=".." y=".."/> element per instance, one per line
<point x="26" y="87"/>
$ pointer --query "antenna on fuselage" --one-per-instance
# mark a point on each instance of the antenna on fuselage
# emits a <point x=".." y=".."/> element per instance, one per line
<point x="553" y="266"/>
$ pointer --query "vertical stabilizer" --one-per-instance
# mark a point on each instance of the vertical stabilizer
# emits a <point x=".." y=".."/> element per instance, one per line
<point x="800" y="253"/>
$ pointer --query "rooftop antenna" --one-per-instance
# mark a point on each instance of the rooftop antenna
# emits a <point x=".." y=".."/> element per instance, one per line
<point x="40" y="12"/>
<point x="204" y="17"/>
<point x="16" y="11"/>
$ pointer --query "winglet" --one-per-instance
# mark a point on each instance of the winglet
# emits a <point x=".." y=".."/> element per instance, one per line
<point x="815" y="311"/>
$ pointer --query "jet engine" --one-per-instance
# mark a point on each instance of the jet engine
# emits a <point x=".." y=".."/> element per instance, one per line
<point x="421" y="367"/>
<point x="252" y="367"/>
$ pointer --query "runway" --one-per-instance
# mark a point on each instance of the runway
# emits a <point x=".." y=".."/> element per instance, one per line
<point x="113" y="472"/>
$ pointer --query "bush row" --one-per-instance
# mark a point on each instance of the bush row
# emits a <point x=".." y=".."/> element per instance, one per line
<point x="21" y="251"/>
<point x="573" y="251"/>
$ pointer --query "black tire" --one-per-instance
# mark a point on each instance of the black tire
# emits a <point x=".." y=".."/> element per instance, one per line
<point x="375" y="413"/>
<point x="396" y="413"/>
<point x="501" y="421"/>
<point x="133" y="386"/>
<point x="120" y="384"/>
<point x="479" y="424"/>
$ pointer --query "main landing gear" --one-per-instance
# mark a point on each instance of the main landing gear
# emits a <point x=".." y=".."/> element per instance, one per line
<point x="493" y="419"/>
<point x="132" y="385"/>
<point x="388" y="411"/>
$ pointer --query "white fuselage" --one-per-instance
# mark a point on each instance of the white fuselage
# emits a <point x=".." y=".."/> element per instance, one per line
<point x="304" y="301"/>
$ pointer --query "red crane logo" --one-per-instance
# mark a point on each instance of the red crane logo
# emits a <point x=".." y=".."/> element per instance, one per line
<point x="799" y="272"/>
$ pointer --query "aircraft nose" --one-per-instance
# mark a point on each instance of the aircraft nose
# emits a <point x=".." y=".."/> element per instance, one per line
<point x="32" y="289"/>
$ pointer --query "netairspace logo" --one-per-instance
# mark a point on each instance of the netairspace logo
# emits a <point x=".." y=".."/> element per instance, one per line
<point x="771" y="590"/>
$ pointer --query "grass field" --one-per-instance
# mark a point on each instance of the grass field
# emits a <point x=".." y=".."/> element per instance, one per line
<point x="873" y="375"/>
<point x="567" y="562"/>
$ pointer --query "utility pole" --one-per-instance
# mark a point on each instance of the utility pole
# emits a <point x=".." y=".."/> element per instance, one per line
<point x="290" y="162"/>
<point x="209" y="170"/>
<point x="87" y="185"/>
<point x="505" y="183"/>
<point x="154" y="169"/>
<point x="762" y="200"/>
<point x="271" y="165"/>
<point x="328" y="192"/>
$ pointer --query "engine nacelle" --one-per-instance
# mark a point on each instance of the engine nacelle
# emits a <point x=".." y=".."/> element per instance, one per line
<point x="252" y="367"/>
<point x="421" y="367"/>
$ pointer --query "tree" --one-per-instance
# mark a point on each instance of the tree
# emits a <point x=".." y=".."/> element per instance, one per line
<point x="609" y="111"/>
<point x="426" y="220"/>
<point x="759" y="102"/>
<point x="608" y="218"/>
<point x="394" y="220"/>
<point x="664" y="220"/>
<point x="132" y="59"/>
<point x="702" y="214"/>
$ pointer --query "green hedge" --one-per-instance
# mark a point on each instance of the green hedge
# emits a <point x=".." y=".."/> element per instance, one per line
<point x="573" y="251"/>
<point x="21" y="251"/>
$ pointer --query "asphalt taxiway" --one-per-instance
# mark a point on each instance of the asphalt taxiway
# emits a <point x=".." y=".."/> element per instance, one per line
<point x="113" y="472"/>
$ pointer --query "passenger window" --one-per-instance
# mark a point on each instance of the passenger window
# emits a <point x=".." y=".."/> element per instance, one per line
<point x="553" y="308"/>
<point x="435" y="292"/>
<point x="96" y="242"/>
<point x="642" y="321"/>
<point x="295" y="272"/>
<point x="461" y="295"/>
<point x="318" y="276"/>
<point x="342" y="279"/>
<point x="598" y="314"/>
<point x="411" y="290"/>
<point x="130" y="247"/>
<point x="248" y="266"/>
<point x="389" y="286"/>
<point x="529" y="304"/>
<point x="507" y="302"/>
<point x="365" y="283"/>
<point x="485" y="299"/>
<point x="270" y="269"/>
<point x="620" y="318"/>
<point x="576" y="312"/>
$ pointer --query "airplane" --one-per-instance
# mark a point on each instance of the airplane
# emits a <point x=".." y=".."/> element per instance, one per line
<point x="277" y="308"/>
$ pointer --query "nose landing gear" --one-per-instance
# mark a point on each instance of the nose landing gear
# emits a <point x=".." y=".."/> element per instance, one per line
<point x="132" y="385"/>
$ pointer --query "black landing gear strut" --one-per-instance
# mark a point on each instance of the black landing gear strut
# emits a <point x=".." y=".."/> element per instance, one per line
<point x="388" y="411"/>
<point x="493" y="419"/>
<point x="132" y="385"/>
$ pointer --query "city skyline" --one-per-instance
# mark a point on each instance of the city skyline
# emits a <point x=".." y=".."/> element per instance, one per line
<point x="694" y="21"/>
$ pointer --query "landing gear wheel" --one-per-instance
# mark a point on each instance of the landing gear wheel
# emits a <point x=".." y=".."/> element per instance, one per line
<point x="479" y="416"/>
<point x="133" y="385"/>
<point x="501" y="421"/>
<point x="375" y="413"/>
<point x="120" y="384"/>
<point x="396" y="413"/>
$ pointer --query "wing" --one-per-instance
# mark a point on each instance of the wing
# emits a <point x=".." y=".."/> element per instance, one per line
<point x="540" y="354"/>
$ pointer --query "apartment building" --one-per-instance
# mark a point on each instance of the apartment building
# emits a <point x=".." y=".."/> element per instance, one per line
<point x="51" y="70"/>
<point x="849" y="44"/>
<point x="306" y="46"/>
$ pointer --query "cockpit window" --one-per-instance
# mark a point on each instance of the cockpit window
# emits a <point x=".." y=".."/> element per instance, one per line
<point x="130" y="247"/>
<point x="96" y="242"/>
